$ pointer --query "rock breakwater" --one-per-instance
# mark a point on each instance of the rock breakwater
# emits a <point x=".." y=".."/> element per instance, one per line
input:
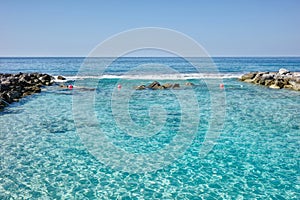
<point x="13" y="87"/>
<point x="275" y="80"/>
<point x="158" y="86"/>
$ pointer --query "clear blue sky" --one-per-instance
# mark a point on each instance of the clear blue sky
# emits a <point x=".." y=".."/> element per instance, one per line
<point x="223" y="27"/>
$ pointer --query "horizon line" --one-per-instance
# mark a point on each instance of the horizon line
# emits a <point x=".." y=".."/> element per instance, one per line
<point x="152" y="56"/>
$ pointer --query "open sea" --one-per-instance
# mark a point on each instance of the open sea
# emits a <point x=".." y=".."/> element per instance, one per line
<point x="106" y="140"/>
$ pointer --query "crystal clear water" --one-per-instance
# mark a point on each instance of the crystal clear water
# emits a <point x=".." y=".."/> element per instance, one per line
<point x="45" y="152"/>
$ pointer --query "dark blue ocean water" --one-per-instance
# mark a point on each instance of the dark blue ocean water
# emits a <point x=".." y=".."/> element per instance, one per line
<point x="70" y="66"/>
<point x="201" y="142"/>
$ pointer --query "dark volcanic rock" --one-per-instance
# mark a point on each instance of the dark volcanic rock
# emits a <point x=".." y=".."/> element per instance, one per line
<point x="275" y="80"/>
<point x="15" y="86"/>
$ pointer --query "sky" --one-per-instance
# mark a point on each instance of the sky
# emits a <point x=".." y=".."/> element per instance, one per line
<point x="222" y="27"/>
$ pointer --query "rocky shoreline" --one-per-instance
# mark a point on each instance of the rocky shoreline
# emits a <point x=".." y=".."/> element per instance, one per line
<point x="275" y="80"/>
<point x="13" y="87"/>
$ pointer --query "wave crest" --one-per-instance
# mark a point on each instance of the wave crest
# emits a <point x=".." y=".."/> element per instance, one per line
<point x="159" y="76"/>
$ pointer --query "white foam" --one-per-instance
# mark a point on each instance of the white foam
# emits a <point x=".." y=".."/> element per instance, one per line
<point x="59" y="80"/>
<point x="159" y="76"/>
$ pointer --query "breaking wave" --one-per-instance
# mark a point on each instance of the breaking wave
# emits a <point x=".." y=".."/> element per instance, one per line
<point x="158" y="76"/>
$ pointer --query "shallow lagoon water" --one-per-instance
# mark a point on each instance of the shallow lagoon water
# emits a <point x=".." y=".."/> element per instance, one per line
<point x="256" y="156"/>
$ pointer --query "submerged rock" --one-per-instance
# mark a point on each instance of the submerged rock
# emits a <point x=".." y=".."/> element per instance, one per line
<point x="274" y="80"/>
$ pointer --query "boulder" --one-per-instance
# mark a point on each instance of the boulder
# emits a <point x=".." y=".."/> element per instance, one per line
<point x="248" y="76"/>
<point x="4" y="86"/>
<point x="157" y="86"/>
<point x="280" y="83"/>
<point x="176" y="86"/>
<point x="257" y="78"/>
<point x="293" y="82"/>
<point x="3" y="102"/>
<point x="269" y="82"/>
<point x="296" y="87"/>
<point x="26" y="77"/>
<point x="61" y="78"/>
<point x="154" y="85"/>
<point x="274" y="86"/>
<point x="288" y="86"/>
<point x="268" y="76"/>
<point x="297" y="80"/>
<point x="24" y="82"/>
<point x="283" y="71"/>
<point x="167" y="85"/>
<point x="12" y="96"/>
<point x="45" y="78"/>
<point x="141" y="87"/>
<point x="36" y="80"/>
<point x="189" y="84"/>
<point x="248" y="80"/>
<point x="36" y="89"/>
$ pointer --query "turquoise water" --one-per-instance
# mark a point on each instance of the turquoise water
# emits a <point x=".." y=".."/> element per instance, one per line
<point x="256" y="156"/>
